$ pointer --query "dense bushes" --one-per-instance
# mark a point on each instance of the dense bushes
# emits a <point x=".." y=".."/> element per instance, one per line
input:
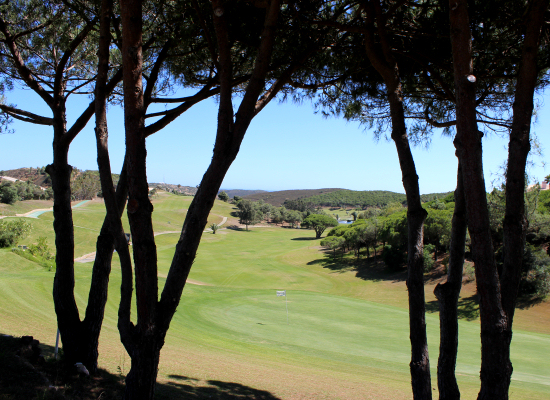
<point x="11" y="231"/>
<point x="38" y="253"/>
<point x="536" y="272"/>
<point x="387" y="228"/>
<point x="8" y="193"/>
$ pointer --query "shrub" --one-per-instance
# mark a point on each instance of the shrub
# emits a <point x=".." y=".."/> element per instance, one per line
<point x="429" y="262"/>
<point x="12" y="231"/>
<point x="41" y="249"/>
<point x="469" y="272"/>
<point x="393" y="257"/>
<point x="536" y="273"/>
<point x="8" y="193"/>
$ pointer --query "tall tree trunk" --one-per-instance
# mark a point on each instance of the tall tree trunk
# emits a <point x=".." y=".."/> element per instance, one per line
<point x="495" y="363"/>
<point x="79" y="338"/>
<point x="141" y="380"/>
<point x="515" y="219"/>
<point x="68" y="319"/>
<point x="384" y="62"/>
<point x="496" y="302"/>
<point x="447" y="294"/>
<point x="144" y="344"/>
<point x="112" y="226"/>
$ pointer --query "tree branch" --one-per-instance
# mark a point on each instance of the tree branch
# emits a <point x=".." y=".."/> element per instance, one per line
<point x="22" y="69"/>
<point x="21" y="114"/>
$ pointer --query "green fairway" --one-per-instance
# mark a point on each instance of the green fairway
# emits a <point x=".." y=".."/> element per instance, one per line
<point x="344" y="337"/>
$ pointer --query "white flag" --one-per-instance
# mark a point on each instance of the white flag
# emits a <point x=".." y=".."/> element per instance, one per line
<point x="281" y="293"/>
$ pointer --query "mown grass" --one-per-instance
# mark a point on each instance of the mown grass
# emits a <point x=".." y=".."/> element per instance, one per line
<point x="22" y="207"/>
<point x="346" y="335"/>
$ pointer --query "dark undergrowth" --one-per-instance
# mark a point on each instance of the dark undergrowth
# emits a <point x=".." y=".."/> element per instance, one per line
<point x="26" y="375"/>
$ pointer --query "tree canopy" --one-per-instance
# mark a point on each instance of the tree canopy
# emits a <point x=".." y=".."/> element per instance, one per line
<point x="319" y="223"/>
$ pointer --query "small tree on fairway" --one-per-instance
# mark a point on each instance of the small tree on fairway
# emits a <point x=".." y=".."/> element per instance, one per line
<point x="293" y="217"/>
<point x="214" y="228"/>
<point x="223" y="196"/>
<point x="319" y="223"/>
<point x="249" y="213"/>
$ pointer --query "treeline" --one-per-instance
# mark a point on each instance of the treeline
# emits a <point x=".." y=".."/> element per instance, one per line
<point x="356" y="199"/>
<point x="254" y="212"/>
<point x="384" y="233"/>
<point x="10" y="192"/>
<point x="85" y="185"/>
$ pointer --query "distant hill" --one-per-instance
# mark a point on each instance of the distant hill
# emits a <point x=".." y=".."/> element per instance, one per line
<point x="169" y="187"/>
<point x="328" y="197"/>
<point x="278" y="198"/>
<point x="359" y="199"/>
<point x="297" y="199"/>
<point x="241" y="192"/>
<point x="38" y="176"/>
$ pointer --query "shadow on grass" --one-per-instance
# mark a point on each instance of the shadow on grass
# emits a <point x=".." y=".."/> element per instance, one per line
<point x="238" y="228"/>
<point x="304" y="238"/>
<point x="182" y="387"/>
<point x="527" y="301"/>
<point x="46" y="379"/>
<point x="468" y="307"/>
<point x="368" y="269"/>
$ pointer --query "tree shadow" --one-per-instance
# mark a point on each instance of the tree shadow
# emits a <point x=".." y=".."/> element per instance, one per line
<point x="27" y="377"/>
<point x="237" y="228"/>
<point x="368" y="269"/>
<point x="21" y="380"/>
<point x="527" y="301"/>
<point x="468" y="307"/>
<point x="182" y="387"/>
<point x="304" y="238"/>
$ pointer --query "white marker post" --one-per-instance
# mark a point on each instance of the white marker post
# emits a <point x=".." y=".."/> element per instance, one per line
<point x="283" y="293"/>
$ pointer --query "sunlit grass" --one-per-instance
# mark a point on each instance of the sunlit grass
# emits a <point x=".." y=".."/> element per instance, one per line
<point x="346" y="336"/>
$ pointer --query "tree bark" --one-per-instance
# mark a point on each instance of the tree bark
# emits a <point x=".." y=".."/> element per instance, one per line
<point x="515" y="220"/>
<point x="142" y="342"/>
<point x="112" y="225"/>
<point x="496" y="368"/>
<point x="497" y="294"/>
<point x="384" y="62"/>
<point x="447" y="294"/>
<point x="79" y="338"/>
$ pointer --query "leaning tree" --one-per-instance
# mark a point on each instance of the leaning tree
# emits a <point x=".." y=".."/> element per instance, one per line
<point x="253" y="33"/>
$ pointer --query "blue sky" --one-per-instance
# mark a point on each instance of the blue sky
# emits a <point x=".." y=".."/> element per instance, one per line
<point x="286" y="147"/>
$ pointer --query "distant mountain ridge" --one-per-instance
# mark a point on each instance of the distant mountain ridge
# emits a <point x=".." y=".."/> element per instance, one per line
<point x="241" y="192"/>
<point x="331" y="197"/>
<point x="279" y="197"/>
<point x="296" y="199"/>
<point x="37" y="176"/>
<point x="169" y="187"/>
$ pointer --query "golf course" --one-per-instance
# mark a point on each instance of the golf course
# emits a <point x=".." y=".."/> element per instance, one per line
<point x="341" y="331"/>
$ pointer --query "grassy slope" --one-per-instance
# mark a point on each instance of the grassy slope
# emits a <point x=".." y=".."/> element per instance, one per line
<point x="347" y="335"/>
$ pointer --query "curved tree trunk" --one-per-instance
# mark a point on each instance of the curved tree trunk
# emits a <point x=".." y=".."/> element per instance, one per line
<point x="112" y="226"/>
<point x="145" y="340"/>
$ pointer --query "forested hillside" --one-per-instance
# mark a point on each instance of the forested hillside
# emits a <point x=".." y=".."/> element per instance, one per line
<point x="278" y="198"/>
<point x="357" y="199"/>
